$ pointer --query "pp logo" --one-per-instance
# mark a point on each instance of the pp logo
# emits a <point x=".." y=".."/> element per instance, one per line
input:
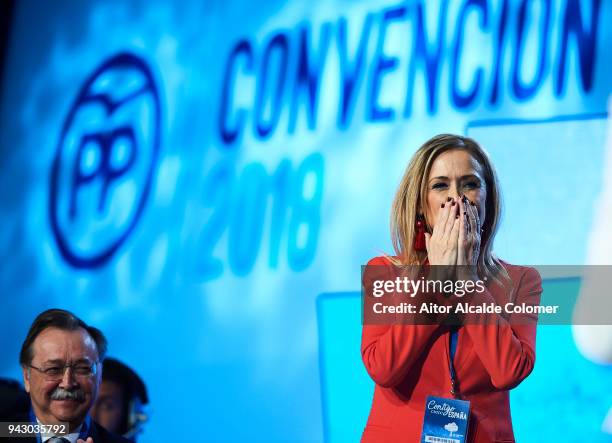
<point x="106" y="157"/>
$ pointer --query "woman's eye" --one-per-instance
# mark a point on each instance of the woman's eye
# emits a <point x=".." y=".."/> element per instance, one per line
<point x="472" y="185"/>
<point x="439" y="186"/>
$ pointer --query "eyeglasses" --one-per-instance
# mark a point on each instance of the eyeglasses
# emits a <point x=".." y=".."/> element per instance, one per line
<point x="56" y="372"/>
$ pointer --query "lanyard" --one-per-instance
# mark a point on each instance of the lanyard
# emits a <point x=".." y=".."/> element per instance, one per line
<point x="452" y="345"/>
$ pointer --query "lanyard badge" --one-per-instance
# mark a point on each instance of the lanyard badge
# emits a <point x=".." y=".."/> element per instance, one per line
<point x="445" y="421"/>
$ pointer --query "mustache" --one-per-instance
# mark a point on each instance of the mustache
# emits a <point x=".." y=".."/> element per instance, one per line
<point x="64" y="394"/>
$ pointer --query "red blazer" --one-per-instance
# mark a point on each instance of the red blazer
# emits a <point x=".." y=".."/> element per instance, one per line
<point x="410" y="362"/>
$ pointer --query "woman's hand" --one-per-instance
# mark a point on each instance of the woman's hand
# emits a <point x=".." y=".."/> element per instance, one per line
<point x="442" y="244"/>
<point x="469" y="233"/>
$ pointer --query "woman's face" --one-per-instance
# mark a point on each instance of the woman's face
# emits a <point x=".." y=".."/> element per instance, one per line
<point x="453" y="174"/>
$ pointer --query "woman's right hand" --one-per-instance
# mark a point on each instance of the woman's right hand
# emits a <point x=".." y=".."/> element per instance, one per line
<point x="442" y="243"/>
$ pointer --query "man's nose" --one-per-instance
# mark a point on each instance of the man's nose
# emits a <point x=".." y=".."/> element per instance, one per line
<point x="68" y="379"/>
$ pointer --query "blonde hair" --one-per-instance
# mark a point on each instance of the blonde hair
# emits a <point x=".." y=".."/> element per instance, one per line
<point x="412" y="196"/>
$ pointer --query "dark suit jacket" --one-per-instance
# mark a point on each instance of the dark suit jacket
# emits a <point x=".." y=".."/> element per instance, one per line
<point x="101" y="435"/>
<point x="14" y="400"/>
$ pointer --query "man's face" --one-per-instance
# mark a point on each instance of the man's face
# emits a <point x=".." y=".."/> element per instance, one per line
<point x="108" y="410"/>
<point x="66" y="397"/>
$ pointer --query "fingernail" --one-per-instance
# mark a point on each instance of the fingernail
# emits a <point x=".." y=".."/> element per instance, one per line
<point x="472" y="203"/>
<point x="464" y="212"/>
<point x="441" y="205"/>
<point x="453" y="202"/>
<point x="457" y="216"/>
<point x="448" y="199"/>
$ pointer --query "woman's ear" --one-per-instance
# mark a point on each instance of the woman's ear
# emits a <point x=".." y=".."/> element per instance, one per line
<point x="421" y="213"/>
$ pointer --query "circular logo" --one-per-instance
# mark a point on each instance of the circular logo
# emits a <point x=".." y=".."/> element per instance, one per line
<point x="105" y="161"/>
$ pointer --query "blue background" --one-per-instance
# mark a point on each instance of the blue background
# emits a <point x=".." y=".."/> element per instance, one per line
<point x="284" y="130"/>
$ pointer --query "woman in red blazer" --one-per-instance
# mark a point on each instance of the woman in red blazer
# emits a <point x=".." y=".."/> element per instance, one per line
<point x="449" y="197"/>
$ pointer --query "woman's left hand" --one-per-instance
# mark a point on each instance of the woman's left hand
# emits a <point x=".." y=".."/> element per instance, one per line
<point x="469" y="233"/>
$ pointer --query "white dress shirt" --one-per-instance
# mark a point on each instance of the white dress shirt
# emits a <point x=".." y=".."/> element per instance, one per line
<point x="72" y="437"/>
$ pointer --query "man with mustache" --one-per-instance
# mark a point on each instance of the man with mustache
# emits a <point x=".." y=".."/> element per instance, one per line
<point x="61" y="359"/>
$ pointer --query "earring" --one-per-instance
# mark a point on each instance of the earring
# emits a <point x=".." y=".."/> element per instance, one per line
<point x="419" y="238"/>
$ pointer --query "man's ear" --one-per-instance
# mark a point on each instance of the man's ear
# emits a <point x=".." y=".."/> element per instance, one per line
<point x="26" y="378"/>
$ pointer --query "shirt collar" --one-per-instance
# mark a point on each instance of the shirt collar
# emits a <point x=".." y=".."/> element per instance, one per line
<point x="81" y="432"/>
